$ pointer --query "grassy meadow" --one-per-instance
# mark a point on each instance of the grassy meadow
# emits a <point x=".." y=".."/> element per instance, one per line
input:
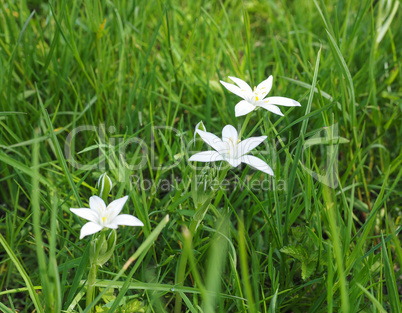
<point x="95" y="86"/>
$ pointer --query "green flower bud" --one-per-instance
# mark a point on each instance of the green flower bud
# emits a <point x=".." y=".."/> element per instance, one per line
<point x="104" y="186"/>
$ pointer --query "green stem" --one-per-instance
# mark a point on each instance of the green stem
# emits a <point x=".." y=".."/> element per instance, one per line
<point x="197" y="219"/>
<point x="91" y="284"/>
<point x="96" y="244"/>
<point x="180" y="279"/>
<point x="243" y="128"/>
<point x="198" y="216"/>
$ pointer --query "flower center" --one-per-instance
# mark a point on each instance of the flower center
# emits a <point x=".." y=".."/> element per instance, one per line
<point x="231" y="153"/>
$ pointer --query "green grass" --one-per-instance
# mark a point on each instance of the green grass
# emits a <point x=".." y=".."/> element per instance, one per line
<point x="120" y="85"/>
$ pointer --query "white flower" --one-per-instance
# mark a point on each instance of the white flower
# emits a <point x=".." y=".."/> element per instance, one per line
<point x="256" y="98"/>
<point x="231" y="149"/>
<point x="100" y="216"/>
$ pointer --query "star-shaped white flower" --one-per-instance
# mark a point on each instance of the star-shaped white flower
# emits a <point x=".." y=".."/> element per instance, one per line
<point x="100" y="216"/>
<point x="256" y="98"/>
<point x="231" y="149"/>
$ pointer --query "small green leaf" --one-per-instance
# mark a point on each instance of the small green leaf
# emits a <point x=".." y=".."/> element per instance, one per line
<point x="134" y="306"/>
<point x="101" y="309"/>
<point x="109" y="295"/>
<point x="297" y="251"/>
<point x="298" y="233"/>
<point x="308" y="269"/>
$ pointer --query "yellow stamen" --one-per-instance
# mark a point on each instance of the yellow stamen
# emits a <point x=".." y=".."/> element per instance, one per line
<point x="256" y="98"/>
<point x="255" y="88"/>
<point x="103" y="219"/>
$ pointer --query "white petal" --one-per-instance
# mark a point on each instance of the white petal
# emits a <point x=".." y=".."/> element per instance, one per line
<point x="236" y="90"/>
<point x="270" y="107"/>
<point x="249" y="144"/>
<point x="88" y="214"/>
<point x="112" y="225"/>
<point x="257" y="163"/>
<point x="229" y="133"/>
<point x="265" y="86"/>
<point x="242" y="84"/>
<point x="212" y="140"/>
<point x="199" y="126"/>
<point x="97" y="204"/>
<point x="206" y="156"/>
<point x="286" y="102"/>
<point x="89" y="229"/>
<point x="115" y="207"/>
<point x="128" y="220"/>
<point x="243" y="108"/>
<point x="99" y="180"/>
<point x="233" y="162"/>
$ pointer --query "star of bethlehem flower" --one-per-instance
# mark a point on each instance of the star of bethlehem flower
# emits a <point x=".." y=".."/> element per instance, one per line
<point x="100" y="216"/>
<point x="253" y="99"/>
<point x="231" y="149"/>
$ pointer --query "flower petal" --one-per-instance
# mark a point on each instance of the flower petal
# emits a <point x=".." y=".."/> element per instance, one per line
<point x="97" y="204"/>
<point x="233" y="162"/>
<point x="234" y="89"/>
<point x="112" y="225"/>
<point x="229" y="133"/>
<point x="128" y="220"/>
<point x="265" y="87"/>
<point x="199" y="126"/>
<point x="88" y="214"/>
<point x="115" y="207"/>
<point x="212" y="140"/>
<point x="242" y="84"/>
<point x="249" y="144"/>
<point x="286" y="102"/>
<point x="243" y="108"/>
<point x="89" y="229"/>
<point x="270" y="107"/>
<point x="257" y="164"/>
<point x="206" y="156"/>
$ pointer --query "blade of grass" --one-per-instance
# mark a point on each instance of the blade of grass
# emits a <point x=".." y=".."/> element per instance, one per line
<point x="292" y="175"/>
<point x="59" y="153"/>
<point x="390" y="279"/>
<point x="24" y="275"/>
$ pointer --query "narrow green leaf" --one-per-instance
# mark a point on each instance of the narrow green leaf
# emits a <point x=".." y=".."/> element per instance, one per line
<point x="59" y="153"/>
<point x="24" y="275"/>
<point x="292" y="175"/>
<point x="372" y="299"/>
<point x="390" y="279"/>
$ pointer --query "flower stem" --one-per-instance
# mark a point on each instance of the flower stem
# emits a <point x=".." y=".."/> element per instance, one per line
<point x="199" y="214"/>
<point x="96" y="244"/>
<point x="243" y="128"/>
<point x="91" y="284"/>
